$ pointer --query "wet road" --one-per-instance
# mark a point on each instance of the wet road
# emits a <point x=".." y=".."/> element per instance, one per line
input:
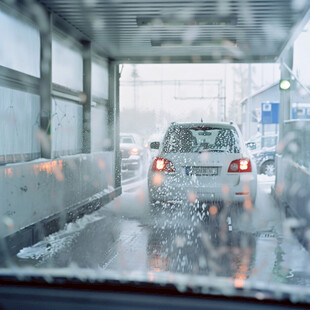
<point x="123" y="237"/>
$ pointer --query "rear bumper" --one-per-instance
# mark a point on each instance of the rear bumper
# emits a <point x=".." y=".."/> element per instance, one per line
<point x="131" y="163"/>
<point x="175" y="191"/>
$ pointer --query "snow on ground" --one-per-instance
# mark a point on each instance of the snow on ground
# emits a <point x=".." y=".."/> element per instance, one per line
<point x="265" y="182"/>
<point x="263" y="178"/>
<point x="125" y="205"/>
<point x="61" y="239"/>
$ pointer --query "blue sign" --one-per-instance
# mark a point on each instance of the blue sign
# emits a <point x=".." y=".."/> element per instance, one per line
<point x="301" y="113"/>
<point x="270" y="113"/>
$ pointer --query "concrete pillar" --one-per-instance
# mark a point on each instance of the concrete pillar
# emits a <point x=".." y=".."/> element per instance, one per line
<point x="114" y="120"/>
<point x="46" y="88"/>
<point x="87" y="60"/>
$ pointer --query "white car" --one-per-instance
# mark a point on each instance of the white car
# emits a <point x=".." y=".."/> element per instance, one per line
<point x="203" y="162"/>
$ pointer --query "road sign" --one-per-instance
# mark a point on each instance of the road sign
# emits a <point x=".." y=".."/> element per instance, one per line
<point x="270" y="113"/>
<point x="301" y="112"/>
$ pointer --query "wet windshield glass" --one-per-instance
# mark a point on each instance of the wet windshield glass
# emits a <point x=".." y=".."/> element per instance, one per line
<point x="197" y="139"/>
<point x="159" y="142"/>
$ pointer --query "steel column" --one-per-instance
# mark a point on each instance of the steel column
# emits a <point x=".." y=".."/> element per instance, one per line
<point x="284" y="114"/>
<point x="87" y="60"/>
<point x="247" y="132"/>
<point x="114" y="120"/>
<point x="285" y="95"/>
<point x="46" y="88"/>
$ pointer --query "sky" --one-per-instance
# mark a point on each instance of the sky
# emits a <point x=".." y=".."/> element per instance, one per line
<point x="193" y="90"/>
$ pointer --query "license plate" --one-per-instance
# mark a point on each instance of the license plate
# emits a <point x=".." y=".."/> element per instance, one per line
<point x="201" y="171"/>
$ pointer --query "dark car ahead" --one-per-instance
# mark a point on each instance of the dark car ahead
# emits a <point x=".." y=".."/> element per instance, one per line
<point x="133" y="153"/>
<point x="265" y="160"/>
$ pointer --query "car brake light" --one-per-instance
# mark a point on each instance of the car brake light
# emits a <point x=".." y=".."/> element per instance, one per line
<point x="162" y="164"/>
<point x="134" y="151"/>
<point x="240" y="165"/>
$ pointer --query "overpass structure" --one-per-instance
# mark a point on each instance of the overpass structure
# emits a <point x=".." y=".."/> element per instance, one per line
<point x="59" y="89"/>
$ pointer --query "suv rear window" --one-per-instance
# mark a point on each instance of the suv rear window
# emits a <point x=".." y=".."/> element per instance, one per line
<point x="198" y="139"/>
<point x="127" y="140"/>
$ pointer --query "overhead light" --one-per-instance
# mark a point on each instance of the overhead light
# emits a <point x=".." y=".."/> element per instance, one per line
<point x="199" y="20"/>
<point x="285" y="84"/>
<point x="196" y="43"/>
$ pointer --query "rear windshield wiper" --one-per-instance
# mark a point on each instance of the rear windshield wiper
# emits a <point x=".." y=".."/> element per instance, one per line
<point x="215" y="150"/>
<point x="202" y="148"/>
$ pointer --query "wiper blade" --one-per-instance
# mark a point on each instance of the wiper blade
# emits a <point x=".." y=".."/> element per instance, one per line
<point x="212" y="150"/>
<point x="216" y="150"/>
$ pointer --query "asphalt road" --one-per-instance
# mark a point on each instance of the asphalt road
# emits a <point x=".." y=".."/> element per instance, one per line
<point x="124" y="237"/>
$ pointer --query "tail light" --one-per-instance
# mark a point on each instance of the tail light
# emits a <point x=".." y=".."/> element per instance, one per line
<point x="162" y="164"/>
<point x="240" y="165"/>
<point x="134" y="151"/>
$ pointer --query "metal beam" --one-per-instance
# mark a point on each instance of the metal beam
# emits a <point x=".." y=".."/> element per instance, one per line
<point x="115" y="30"/>
<point x="247" y="130"/>
<point x="46" y="88"/>
<point x="114" y="119"/>
<point x="161" y="59"/>
<point x="294" y="34"/>
<point x="20" y="81"/>
<point x="67" y="94"/>
<point x="285" y="95"/>
<point x="87" y="60"/>
<point x="284" y="114"/>
<point x="167" y="82"/>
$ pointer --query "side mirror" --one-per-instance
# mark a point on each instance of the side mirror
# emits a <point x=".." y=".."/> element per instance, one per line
<point x="251" y="145"/>
<point x="154" y="145"/>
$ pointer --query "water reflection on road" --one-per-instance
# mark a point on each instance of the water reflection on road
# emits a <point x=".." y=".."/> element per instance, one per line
<point x="124" y="238"/>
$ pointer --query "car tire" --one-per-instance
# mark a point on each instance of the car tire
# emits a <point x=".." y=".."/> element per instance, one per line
<point x="268" y="168"/>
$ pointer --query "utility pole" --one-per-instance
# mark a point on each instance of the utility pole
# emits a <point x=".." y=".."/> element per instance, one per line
<point x="135" y="76"/>
<point x="219" y="103"/>
<point x="224" y="94"/>
<point x="247" y="133"/>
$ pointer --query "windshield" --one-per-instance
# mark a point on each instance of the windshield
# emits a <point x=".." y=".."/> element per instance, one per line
<point x="127" y="140"/>
<point x="164" y="142"/>
<point x="197" y="139"/>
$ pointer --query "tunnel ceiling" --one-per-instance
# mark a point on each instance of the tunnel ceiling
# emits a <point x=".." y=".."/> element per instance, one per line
<point x="184" y="31"/>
